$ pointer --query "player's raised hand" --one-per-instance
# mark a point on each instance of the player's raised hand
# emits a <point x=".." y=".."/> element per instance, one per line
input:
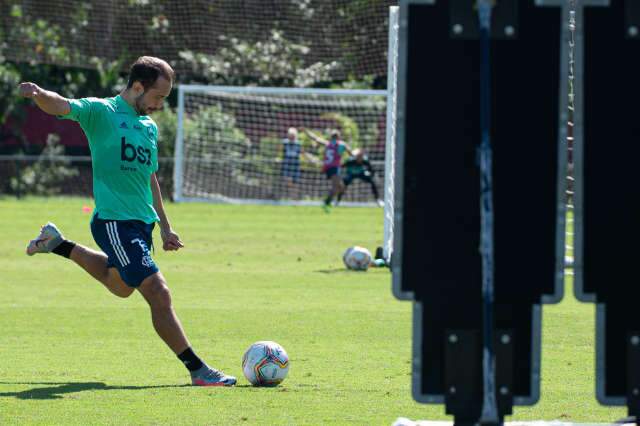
<point x="170" y="241"/>
<point x="28" y="90"/>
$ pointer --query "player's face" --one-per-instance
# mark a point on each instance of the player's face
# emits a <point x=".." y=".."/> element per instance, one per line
<point x="152" y="99"/>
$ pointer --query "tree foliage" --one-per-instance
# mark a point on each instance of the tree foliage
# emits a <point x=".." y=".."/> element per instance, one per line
<point x="275" y="61"/>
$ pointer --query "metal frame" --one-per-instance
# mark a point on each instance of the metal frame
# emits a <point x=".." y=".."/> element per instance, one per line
<point x="536" y="332"/>
<point x="401" y="93"/>
<point x="578" y="222"/>
<point x="578" y="154"/>
<point x="561" y="212"/>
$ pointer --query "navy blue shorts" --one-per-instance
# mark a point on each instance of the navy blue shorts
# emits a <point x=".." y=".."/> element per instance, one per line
<point x="291" y="170"/>
<point x="126" y="244"/>
<point x="332" y="171"/>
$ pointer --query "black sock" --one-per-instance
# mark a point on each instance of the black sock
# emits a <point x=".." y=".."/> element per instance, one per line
<point x="64" y="248"/>
<point x="190" y="360"/>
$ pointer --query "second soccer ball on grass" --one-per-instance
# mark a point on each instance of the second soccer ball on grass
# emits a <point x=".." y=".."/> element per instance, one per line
<point x="357" y="258"/>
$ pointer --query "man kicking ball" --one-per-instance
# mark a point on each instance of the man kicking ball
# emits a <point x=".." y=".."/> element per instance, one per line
<point x="124" y="154"/>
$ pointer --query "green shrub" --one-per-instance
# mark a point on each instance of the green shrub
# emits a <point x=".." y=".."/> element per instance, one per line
<point x="47" y="175"/>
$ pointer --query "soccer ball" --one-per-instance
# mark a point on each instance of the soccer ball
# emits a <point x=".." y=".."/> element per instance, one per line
<point x="265" y="364"/>
<point x="357" y="258"/>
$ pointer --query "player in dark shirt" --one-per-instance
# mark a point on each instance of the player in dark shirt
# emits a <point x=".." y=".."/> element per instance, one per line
<point x="359" y="167"/>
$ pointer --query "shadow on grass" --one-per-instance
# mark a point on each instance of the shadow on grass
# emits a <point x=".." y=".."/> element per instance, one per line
<point x="55" y="390"/>
<point x="337" y="271"/>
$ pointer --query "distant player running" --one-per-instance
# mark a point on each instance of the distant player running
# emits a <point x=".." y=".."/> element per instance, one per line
<point x="333" y="150"/>
<point x="124" y="153"/>
<point x="359" y="167"/>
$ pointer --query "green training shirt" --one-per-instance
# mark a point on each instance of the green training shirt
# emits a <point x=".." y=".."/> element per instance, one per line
<point x="124" y="154"/>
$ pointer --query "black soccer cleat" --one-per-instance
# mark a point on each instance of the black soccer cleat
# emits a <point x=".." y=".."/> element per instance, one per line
<point x="379" y="253"/>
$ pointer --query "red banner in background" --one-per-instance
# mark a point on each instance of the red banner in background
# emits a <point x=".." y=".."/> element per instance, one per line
<point x="37" y="126"/>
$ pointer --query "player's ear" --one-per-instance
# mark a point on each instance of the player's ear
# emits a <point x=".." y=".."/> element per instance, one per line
<point x="137" y="87"/>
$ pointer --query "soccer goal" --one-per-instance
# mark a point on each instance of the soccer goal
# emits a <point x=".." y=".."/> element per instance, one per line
<point x="230" y="143"/>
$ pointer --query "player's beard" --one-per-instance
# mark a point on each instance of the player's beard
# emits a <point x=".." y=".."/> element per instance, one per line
<point x="141" y="108"/>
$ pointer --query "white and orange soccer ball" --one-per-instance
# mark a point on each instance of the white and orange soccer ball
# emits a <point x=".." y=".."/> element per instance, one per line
<point x="357" y="258"/>
<point x="265" y="364"/>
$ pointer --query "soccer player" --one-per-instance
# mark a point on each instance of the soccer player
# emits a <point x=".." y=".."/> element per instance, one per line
<point x="333" y="150"/>
<point x="290" y="167"/>
<point x="123" y="141"/>
<point x="359" y="167"/>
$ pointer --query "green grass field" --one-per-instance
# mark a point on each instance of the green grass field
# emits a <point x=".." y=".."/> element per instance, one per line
<point x="71" y="353"/>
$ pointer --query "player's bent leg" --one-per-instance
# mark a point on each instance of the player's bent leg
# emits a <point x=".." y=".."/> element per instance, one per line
<point x="374" y="189"/>
<point x="116" y="285"/>
<point x="346" y="181"/>
<point x="338" y="186"/>
<point x="166" y="323"/>
<point x="96" y="264"/>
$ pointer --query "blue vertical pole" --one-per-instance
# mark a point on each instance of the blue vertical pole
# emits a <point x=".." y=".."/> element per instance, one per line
<point x="489" y="414"/>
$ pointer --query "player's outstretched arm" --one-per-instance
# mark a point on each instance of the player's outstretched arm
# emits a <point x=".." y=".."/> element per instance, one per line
<point x="170" y="240"/>
<point x="50" y="102"/>
<point x="347" y="148"/>
<point x="312" y="158"/>
<point x="314" y="138"/>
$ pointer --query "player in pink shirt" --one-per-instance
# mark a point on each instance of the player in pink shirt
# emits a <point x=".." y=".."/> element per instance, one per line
<point x="333" y="150"/>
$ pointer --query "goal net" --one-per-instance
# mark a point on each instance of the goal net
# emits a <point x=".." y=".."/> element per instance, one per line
<point x="72" y="32"/>
<point x="231" y="143"/>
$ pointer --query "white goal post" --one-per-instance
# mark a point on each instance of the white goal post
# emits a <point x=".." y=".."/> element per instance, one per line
<point x="390" y="154"/>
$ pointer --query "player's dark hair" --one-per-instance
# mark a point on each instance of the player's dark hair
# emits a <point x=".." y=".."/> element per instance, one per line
<point x="147" y="70"/>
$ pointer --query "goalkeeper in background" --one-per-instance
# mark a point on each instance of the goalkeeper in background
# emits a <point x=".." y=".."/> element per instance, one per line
<point x="359" y="167"/>
<point x="123" y="140"/>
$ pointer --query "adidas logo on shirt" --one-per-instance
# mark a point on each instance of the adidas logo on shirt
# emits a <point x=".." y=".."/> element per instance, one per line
<point x="124" y="125"/>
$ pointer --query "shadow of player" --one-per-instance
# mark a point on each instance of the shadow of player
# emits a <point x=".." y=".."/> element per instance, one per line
<point x="53" y="390"/>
